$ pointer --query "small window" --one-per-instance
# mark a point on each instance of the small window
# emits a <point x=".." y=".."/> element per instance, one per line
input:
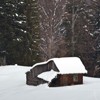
<point x="75" y="78"/>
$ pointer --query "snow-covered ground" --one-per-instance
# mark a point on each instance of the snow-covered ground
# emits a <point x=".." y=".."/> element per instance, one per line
<point x="13" y="87"/>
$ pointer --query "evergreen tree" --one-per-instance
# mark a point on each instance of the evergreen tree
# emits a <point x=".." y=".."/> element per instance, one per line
<point x="32" y="28"/>
<point x="6" y="19"/>
<point x="19" y="31"/>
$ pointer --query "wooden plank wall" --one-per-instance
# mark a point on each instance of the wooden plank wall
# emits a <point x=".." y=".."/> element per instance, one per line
<point x="67" y="79"/>
<point x="31" y="76"/>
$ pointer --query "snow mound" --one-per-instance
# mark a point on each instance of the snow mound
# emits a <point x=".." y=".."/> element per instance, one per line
<point x="48" y="76"/>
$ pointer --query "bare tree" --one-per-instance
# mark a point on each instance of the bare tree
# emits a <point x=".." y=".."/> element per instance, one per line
<point x="75" y="15"/>
<point x="51" y="14"/>
<point x="79" y="28"/>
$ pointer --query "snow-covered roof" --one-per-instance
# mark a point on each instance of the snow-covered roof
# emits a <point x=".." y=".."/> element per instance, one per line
<point x="67" y="65"/>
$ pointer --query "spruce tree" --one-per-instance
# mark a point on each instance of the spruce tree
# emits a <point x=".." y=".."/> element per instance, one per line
<point x="32" y="26"/>
<point x="19" y="31"/>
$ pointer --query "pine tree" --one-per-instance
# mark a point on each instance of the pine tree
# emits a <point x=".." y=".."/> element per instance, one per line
<point x="6" y="18"/>
<point x="19" y="31"/>
<point x="32" y="28"/>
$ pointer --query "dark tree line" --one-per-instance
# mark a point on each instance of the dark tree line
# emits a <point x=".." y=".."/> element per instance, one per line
<point x="19" y="31"/>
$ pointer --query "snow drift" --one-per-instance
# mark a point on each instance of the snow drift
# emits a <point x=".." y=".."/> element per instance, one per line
<point x="13" y="87"/>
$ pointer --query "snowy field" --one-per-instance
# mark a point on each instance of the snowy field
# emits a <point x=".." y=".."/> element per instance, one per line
<point x="13" y="87"/>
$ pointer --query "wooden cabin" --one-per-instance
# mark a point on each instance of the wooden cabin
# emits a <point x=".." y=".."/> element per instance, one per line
<point x="32" y="75"/>
<point x="69" y="71"/>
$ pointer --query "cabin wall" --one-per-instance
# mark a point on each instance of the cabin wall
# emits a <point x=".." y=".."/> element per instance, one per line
<point x="66" y="79"/>
<point x="54" y="67"/>
<point x="39" y="69"/>
<point x="30" y="80"/>
<point x="70" y="79"/>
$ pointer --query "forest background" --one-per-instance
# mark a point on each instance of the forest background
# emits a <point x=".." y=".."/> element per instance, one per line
<point x="37" y="30"/>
